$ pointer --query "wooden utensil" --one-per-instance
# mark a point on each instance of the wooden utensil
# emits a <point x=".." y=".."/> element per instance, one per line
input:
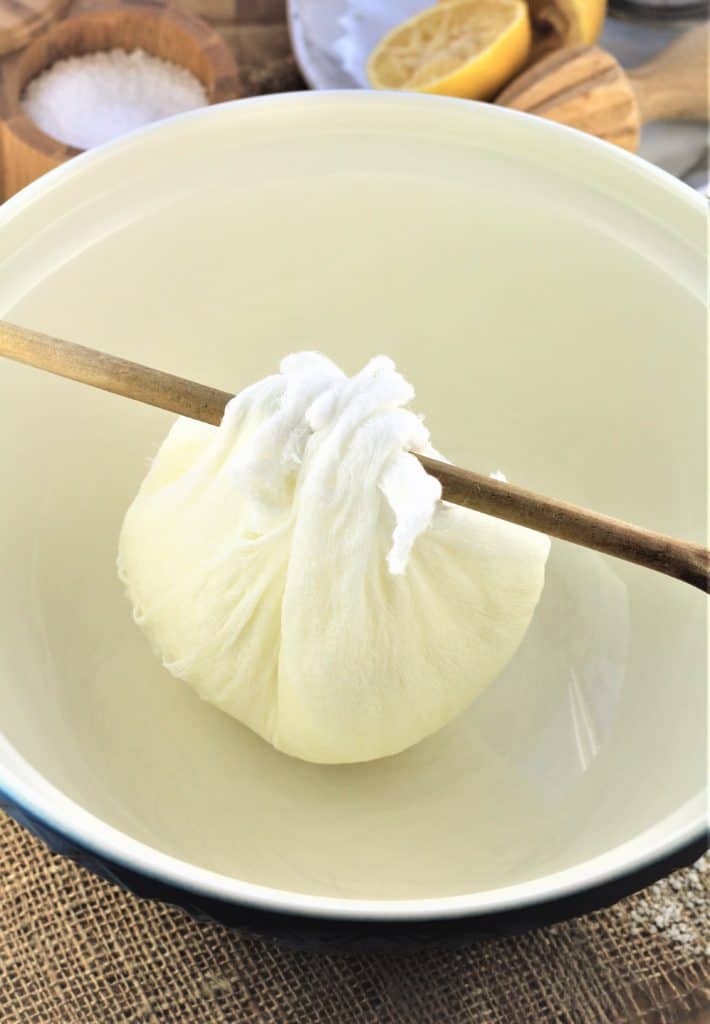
<point x="586" y="88"/>
<point x="184" y="39"/>
<point x="681" y="559"/>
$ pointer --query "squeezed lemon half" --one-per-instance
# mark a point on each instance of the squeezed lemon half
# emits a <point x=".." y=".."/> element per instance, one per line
<point x="464" y="48"/>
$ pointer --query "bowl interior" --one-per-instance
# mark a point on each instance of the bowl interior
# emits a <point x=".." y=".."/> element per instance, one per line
<point x="550" y="318"/>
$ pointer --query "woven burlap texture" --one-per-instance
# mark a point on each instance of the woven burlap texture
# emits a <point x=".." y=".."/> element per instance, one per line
<point x="77" y="950"/>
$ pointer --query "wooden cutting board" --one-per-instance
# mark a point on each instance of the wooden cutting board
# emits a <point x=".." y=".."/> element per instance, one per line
<point x="257" y="33"/>
<point x="22" y="20"/>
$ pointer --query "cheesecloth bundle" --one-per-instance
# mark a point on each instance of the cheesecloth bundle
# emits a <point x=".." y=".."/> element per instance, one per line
<point x="297" y="567"/>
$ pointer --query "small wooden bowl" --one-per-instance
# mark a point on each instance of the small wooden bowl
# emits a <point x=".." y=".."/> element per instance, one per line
<point x="27" y="152"/>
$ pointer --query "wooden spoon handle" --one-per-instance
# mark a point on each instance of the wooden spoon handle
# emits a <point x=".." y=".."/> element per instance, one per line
<point x="681" y="559"/>
<point x="111" y="373"/>
<point x="676" y="83"/>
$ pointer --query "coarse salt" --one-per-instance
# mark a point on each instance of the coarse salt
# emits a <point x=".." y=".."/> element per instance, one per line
<point x="84" y="101"/>
<point x="674" y="910"/>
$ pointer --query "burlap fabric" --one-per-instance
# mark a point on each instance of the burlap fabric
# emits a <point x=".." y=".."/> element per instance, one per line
<point x="78" y="950"/>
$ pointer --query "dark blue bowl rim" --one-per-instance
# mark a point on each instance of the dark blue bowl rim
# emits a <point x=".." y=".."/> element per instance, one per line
<point x="350" y="934"/>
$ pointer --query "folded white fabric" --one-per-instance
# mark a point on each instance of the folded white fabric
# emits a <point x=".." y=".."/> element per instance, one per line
<point x="297" y="567"/>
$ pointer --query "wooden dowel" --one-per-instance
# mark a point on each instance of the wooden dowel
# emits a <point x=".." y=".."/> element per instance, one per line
<point x="680" y="559"/>
<point x="111" y="373"/>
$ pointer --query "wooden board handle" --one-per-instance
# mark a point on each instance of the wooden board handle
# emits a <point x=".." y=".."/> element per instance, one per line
<point x="681" y="559"/>
<point x="676" y="83"/>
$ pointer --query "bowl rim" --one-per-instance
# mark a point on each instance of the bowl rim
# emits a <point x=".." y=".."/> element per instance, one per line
<point x="70" y="820"/>
<point x="683" y="829"/>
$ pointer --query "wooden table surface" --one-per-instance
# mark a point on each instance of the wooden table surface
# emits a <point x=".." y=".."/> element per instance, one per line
<point x="257" y="33"/>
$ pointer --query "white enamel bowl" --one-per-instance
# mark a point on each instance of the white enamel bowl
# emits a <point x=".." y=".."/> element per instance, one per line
<point x="544" y="293"/>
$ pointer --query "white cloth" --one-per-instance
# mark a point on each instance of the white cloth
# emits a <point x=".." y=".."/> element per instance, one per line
<point x="297" y="567"/>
